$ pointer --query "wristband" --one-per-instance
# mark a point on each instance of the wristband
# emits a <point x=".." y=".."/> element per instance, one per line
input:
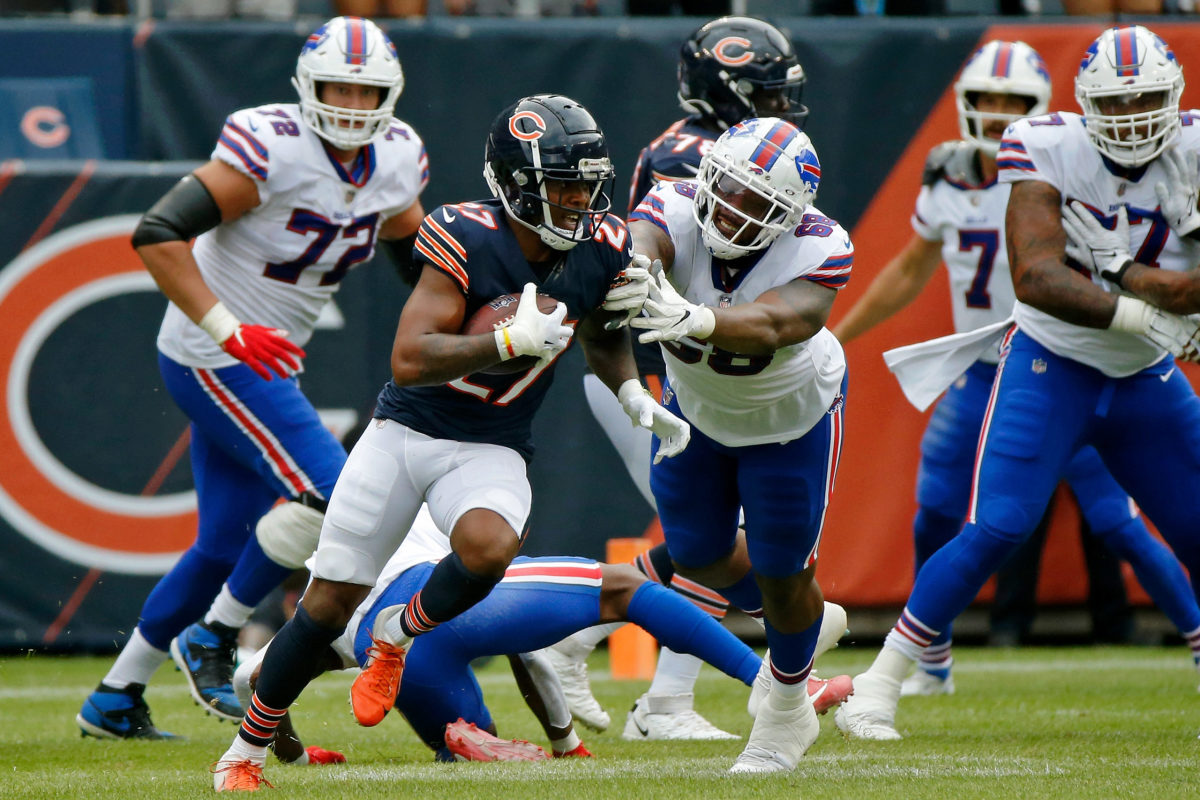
<point x="219" y="323"/>
<point x="1132" y="316"/>
<point x="1119" y="273"/>
<point x="504" y="344"/>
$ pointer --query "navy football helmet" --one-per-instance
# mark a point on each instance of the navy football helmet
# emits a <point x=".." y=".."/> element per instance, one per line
<point x="548" y="137"/>
<point x="735" y="68"/>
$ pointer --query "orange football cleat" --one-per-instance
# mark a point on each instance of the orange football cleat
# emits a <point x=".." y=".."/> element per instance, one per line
<point x="468" y="743"/>
<point x="374" y="691"/>
<point x="238" y="776"/>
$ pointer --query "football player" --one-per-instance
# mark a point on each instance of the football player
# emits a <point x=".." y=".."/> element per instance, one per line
<point x="730" y="69"/>
<point x="439" y="686"/>
<point x="449" y="434"/>
<point x="749" y="272"/>
<point x="295" y="195"/>
<point x="959" y="220"/>
<point x="1100" y="225"/>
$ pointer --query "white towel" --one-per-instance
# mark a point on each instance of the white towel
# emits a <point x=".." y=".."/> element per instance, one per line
<point x="926" y="369"/>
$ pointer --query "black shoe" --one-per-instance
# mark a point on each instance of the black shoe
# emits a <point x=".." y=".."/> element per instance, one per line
<point x="205" y="653"/>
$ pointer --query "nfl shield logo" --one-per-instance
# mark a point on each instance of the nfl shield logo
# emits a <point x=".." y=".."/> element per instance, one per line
<point x="1039" y="366"/>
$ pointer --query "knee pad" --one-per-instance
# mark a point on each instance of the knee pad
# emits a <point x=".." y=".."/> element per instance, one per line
<point x="289" y="532"/>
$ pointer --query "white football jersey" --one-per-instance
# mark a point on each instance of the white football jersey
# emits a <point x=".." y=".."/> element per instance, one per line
<point x="280" y="263"/>
<point x="742" y="400"/>
<point x="969" y="222"/>
<point x="1055" y="149"/>
<point x="424" y="544"/>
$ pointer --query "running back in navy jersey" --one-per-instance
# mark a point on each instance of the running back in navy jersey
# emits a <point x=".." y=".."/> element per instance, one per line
<point x="473" y="244"/>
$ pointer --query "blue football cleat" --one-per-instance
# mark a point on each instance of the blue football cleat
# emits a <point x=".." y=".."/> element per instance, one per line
<point x="205" y="653"/>
<point x="119" y="714"/>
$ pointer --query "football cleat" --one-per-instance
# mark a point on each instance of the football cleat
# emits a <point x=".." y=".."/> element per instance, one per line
<point x="577" y="689"/>
<point x="110" y="713"/>
<point x="238" y="776"/>
<point x="318" y="756"/>
<point x="374" y="691"/>
<point x="579" y="752"/>
<point x="925" y="684"/>
<point x="205" y="654"/>
<point x="469" y="743"/>
<point x="779" y="739"/>
<point x="871" y="712"/>
<point x="656" y="718"/>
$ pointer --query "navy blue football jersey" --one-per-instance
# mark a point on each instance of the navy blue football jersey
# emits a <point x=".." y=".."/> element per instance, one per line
<point x="674" y="155"/>
<point x="473" y="244"/>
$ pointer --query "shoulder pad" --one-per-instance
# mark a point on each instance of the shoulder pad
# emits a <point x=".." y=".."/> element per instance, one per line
<point x="956" y="160"/>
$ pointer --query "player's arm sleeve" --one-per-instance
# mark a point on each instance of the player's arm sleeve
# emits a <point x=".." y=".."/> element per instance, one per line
<point x="180" y="215"/>
<point x="437" y="246"/>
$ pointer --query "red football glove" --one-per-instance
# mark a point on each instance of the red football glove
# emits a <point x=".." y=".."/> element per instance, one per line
<point x="318" y="757"/>
<point x="257" y="346"/>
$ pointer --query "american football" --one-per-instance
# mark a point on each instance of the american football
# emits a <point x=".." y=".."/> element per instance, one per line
<point x="496" y="314"/>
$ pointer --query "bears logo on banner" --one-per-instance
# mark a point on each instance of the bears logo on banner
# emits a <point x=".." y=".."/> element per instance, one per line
<point x="40" y="497"/>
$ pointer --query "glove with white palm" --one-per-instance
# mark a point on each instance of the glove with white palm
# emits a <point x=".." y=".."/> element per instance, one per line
<point x="669" y="317"/>
<point x="672" y="432"/>
<point x="1103" y="251"/>
<point x="1179" y="335"/>
<point x="1179" y="194"/>
<point x="628" y="292"/>
<point x="533" y="333"/>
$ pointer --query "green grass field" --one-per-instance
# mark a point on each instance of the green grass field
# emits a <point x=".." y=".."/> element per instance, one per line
<point x="1075" y="723"/>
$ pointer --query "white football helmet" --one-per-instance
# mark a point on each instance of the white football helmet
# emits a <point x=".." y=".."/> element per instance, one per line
<point x="1123" y="65"/>
<point x="1000" y="68"/>
<point x="753" y="185"/>
<point x="348" y="50"/>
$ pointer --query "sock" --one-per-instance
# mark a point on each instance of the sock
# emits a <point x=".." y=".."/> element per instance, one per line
<point x="449" y="591"/>
<point x="567" y="743"/>
<point x="681" y="626"/>
<point x="744" y="594"/>
<point x="791" y="660"/>
<point x="136" y="662"/>
<point x="707" y="600"/>
<point x="242" y="750"/>
<point x="936" y="660"/>
<point x="676" y="673"/>
<point x="656" y="564"/>
<point x="292" y="658"/>
<point x="227" y="610"/>
<point x="1158" y="571"/>
<point x="910" y="636"/>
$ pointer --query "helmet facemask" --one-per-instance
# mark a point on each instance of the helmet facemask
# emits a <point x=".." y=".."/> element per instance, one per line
<point x="1128" y="86"/>
<point x="1002" y="68"/>
<point x="750" y="189"/>
<point x="354" y="51"/>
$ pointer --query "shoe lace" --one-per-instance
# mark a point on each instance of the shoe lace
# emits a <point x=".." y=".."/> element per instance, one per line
<point x="241" y="775"/>
<point x="382" y="674"/>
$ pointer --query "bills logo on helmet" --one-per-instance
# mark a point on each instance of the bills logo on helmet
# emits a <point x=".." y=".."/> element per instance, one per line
<point x="721" y="51"/>
<point x="744" y="128"/>
<point x="527" y="126"/>
<point x="315" y="39"/>
<point x="809" y="168"/>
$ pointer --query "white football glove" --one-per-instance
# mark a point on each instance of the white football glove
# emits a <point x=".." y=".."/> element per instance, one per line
<point x="628" y="292"/>
<point x="1178" y="195"/>
<point x="1104" y="252"/>
<point x="669" y="317"/>
<point x="531" y="332"/>
<point x="672" y="432"/>
<point x="1179" y="335"/>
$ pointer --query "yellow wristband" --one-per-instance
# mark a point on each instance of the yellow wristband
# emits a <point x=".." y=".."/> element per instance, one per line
<point x="508" y="343"/>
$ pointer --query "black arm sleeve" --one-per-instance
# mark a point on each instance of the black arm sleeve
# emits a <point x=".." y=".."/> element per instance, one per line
<point x="180" y="215"/>
<point x="400" y="251"/>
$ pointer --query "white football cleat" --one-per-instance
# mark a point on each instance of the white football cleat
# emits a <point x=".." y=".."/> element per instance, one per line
<point x="926" y="684"/>
<point x="665" y="717"/>
<point x="870" y="713"/>
<point x="779" y="739"/>
<point x="577" y="689"/>
<point x="833" y="628"/>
